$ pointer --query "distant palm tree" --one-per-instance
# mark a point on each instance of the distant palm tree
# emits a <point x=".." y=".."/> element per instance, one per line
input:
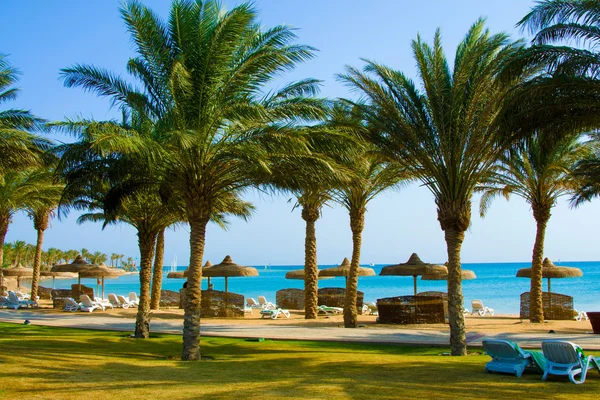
<point x="71" y="255"/>
<point x="539" y="171"/>
<point x="369" y="175"/>
<point x="204" y="75"/>
<point x="19" y="248"/>
<point x="18" y="147"/>
<point x="85" y="253"/>
<point x="44" y="201"/>
<point x="442" y="134"/>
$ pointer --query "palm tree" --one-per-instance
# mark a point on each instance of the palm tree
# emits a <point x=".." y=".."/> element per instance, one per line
<point x="370" y="175"/>
<point x="71" y="254"/>
<point x="203" y="74"/>
<point x="19" y="248"/>
<point x="44" y="201"/>
<point x="18" y="147"/>
<point x="443" y="134"/>
<point x="16" y="193"/>
<point x="539" y="171"/>
<point x="85" y="253"/>
<point x="564" y="96"/>
<point x="158" y="269"/>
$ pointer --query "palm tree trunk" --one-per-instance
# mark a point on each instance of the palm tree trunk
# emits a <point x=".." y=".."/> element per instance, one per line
<point x="146" y="242"/>
<point x="4" y="222"/>
<point x="357" y="224"/>
<point x="311" y="275"/>
<point x="193" y="293"/>
<point x="40" y="222"/>
<point x="458" y="338"/>
<point x="158" y="270"/>
<point x="536" y="306"/>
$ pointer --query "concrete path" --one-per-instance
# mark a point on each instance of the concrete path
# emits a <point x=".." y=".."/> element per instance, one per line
<point x="290" y="332"/>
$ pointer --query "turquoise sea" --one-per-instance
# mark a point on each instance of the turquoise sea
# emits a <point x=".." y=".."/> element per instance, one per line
<point x="496" y="284"/>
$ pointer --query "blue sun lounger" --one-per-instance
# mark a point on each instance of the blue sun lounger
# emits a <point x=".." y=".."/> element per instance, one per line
<point x="508" y="357"/>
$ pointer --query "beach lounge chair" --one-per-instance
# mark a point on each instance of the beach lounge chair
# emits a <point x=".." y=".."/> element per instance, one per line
<point x="371" y="309"/>
<point x="580" y="315"/>
<point x="478" y="307"/>
<point x="23" y="296"/>
<point x="509" y="358"/>
<point x="133" y="299"/>
<point x="566" y="358"/>
<point x="104" y="302"/>
<point x="70" y="305"/>
<point x="3" y="301"/>
<point x="112" y="298"/>
<point x="267" y="305"/>
<point x="273" y="314"/>
<point x="250" y="302"/>
<point x="124" y="300"/>
<point x="330" y="310"/>
<point x="14" y="302"/>
<point x="88" y="305"/>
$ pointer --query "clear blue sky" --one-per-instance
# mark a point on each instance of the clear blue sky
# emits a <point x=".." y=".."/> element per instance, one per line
<point x="42" y="37"/>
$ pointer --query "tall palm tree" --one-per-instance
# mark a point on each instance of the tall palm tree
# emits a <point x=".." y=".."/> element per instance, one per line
<point x="46" y="198"/>
<point x="18" y="147"/>
<point x="539" y="171"/>
<point x="157" y="275"/>
<point x="370" y="175"/>
<point x="441" y="134"/>
<point x="203" y="74"/>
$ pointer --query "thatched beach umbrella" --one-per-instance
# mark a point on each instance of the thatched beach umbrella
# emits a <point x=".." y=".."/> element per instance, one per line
<point x="78" y="265"/>
<point x="54" y="274"/>
<point x="18" y="271"/>
<point x="549" y="270"/>
<point x="184" y="274"/>
<point x="101" y="271"/>
<point x="413" y="267"/>
<point x="227" y="268"/>
<point x="344" y="270"/>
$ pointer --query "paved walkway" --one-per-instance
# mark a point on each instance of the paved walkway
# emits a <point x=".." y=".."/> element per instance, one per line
<point x="290" y="332"/>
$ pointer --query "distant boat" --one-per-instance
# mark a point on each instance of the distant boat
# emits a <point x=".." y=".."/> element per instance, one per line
<point x="372" y="265"/>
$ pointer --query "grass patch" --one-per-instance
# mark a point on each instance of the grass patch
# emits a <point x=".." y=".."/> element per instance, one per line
<point x="57" y="363"/>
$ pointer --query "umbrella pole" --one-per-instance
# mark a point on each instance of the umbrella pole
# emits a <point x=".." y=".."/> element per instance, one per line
<point x="208" y="287"/>
<point x="97" y="288"/>
<point x="225" y="284"/>
<point x="53" y="281"/>
<point x="415" y="283"/>
<point x="19" y="283"/>
<point x="103" y="287"/>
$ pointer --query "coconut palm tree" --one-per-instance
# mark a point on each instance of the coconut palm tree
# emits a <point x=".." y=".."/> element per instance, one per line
<point x="441" y="134"/>
<point x="539" y="171"/>
<point x="44" y="201"/>
<point x="85" y="253"/>
<point x="18" y="147"/>
<point x="157" y="270"/>
<point x="369" y="176"/>
<point x="203" y="74"/>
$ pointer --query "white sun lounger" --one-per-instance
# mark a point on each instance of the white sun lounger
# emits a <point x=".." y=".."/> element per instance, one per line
<point x="103" y="302"/>
<point x="88" y="305"/>
<point x="273" y="314"/>
<point x="112" y="298"/>
<point x="70" y="305"/>
<point x="250" y="302"/>
<point x="478" y="307"/>
<point x="124" y="300"/>
<point x="566" y="358"/>
<point x="14" y="302"/>
<point x="133" y="299"/>
<point x="267" y="305"/>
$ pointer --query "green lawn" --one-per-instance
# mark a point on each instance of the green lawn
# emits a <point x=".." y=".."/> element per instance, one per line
<point x="55" y="363"/>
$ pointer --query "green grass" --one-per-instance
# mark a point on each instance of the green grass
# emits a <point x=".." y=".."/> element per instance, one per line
<point x="56" y="363"/>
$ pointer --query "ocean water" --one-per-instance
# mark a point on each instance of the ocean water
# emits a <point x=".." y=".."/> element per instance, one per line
<point x="496" y="284"/>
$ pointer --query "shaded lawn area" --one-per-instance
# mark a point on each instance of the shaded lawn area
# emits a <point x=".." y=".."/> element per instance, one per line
<point x="58" y="363"/>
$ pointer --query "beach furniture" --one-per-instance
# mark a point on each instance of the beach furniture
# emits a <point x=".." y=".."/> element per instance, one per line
<point x="14" y="302"/>
<point x="330" y="310"/>
<point x="112" y="298"/>
<point x="3" y="302"/>
<point x="371" y="308"/>
<point x="566" y="358"/>
<point x="580" y="315"/>
<point x="267" y="305"/>
<point x="124" y="300"/>
<point x="88" y="305"/>
<point x="478" y="307"/>
<point x="273" y="314"/>
<point x="23" y="296"/>
<point x="509" y="358"/>
<point x="250" y="302"/>
<point x="133" y="299"/>
<point x="70" y="305"/>
<point x="103" y="302"/>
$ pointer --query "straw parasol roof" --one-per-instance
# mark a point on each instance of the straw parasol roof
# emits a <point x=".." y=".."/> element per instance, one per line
<point x="101" y="271"/>
<point x="78" y="265"/>
<point x="227" y="268"/>
<point x="299" y="274"/>
<point x="344" y="270"/>
<point x="18" y="271"/>
<point x="465" y="274"/>
<point x="549" y="270"/>
<point x="413" y="267"/>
